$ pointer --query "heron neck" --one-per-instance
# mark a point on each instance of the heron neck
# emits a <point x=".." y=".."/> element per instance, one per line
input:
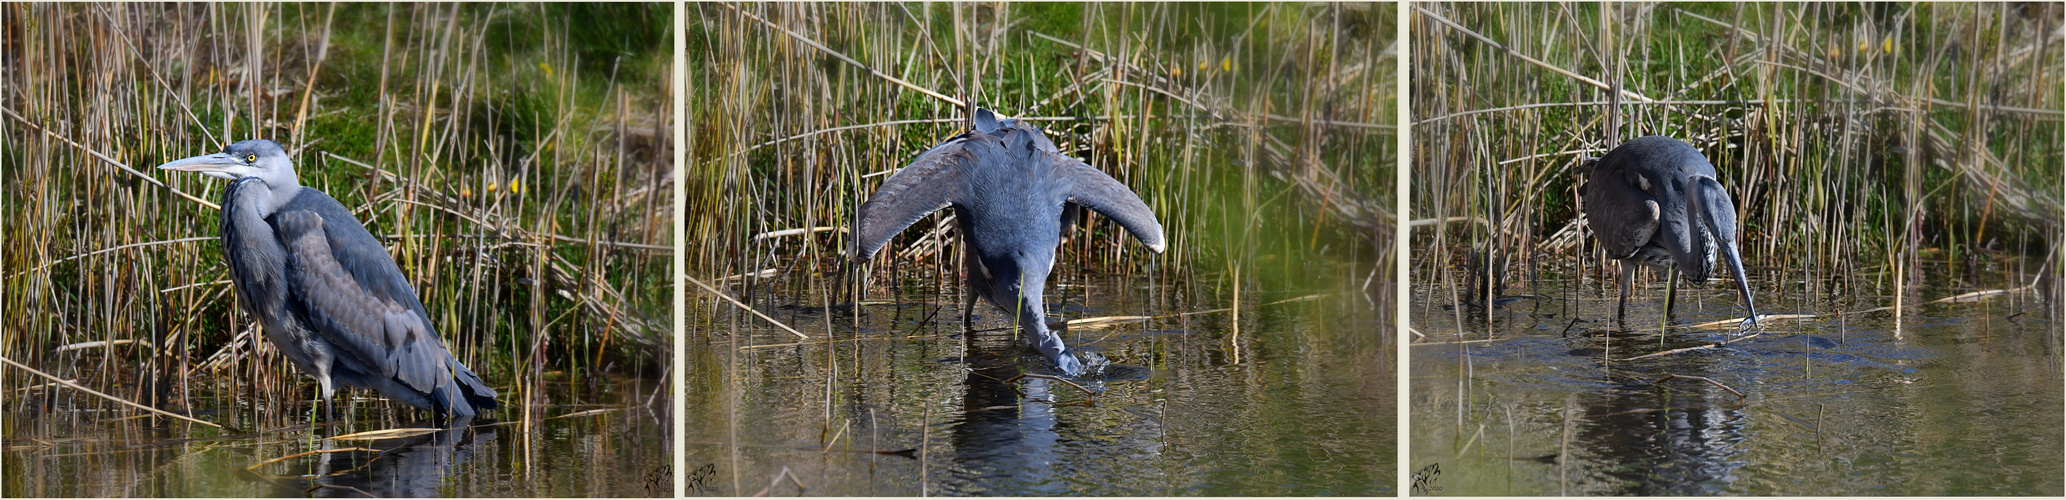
<point x="283" y="184"/>
<point x="1699" y="266"/>
<point x="262" y="196"/>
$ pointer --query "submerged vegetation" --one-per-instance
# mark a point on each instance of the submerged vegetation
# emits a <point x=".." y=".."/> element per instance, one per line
<point x="515" y="158"/>
<point x="1859" y="141"/>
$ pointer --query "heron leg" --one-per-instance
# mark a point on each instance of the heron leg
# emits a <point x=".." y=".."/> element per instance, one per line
<point x="968" y="311"/>
<point x="1628" y="276"/>
<point x="1671" y="292"/>
<point x="329" y="408"/>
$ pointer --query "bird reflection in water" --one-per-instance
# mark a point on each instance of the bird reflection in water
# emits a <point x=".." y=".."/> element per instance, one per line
<point x="411" y="466"/>
<point x="1647" y="442"/>
<point x="1010" y="439"/>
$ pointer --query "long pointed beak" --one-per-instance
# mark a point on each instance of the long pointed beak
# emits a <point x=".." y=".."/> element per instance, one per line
<point x="1742" y="283"/>
<point x="218" y="165"/>
<point x="1714" y="206"/>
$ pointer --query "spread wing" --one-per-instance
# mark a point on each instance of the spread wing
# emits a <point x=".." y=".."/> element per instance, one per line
<point x="352" y="295"/>
<point x="1101" y="193"/>
<point x="928" y="184"/>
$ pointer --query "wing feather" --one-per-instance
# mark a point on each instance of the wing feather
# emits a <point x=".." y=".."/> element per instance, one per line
<point x="1622" y="216"/>
<point x="379" y="335"/>
<point x="1102" y="194"/>
<point x="928" y="184"/>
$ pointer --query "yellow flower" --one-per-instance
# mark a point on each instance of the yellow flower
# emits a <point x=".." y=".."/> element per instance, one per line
<point x="547" y="68"/>
<point x="1227" y="64"/>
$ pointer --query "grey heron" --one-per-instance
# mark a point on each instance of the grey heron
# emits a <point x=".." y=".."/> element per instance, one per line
<point x="1653" y="201"/>
<point x="1012" y="192"/>
<point x="326" y="293"/>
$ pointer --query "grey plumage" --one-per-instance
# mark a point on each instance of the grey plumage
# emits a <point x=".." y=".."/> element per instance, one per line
<point x="1654" y="201"/>
<point x="326" y="292"/>
<point x="1011" y="191"/>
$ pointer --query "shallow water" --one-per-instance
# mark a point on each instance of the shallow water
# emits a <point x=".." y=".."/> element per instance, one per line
<point x="1953" y="399"/>
<point x="620" y="451"/>
<point x="1296" y="403"/>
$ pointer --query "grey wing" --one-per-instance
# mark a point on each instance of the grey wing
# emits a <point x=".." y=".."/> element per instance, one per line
<point x="1101" y="193"/>
<point x="1622" y="215"/>
<point x="352" y="295"/>
<point x="928" y="184"/>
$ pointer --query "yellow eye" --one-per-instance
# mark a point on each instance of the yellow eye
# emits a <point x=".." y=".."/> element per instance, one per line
<point x="250" y="158"/>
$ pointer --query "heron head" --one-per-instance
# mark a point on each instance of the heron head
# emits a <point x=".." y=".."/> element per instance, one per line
<point x="253" y="158"/>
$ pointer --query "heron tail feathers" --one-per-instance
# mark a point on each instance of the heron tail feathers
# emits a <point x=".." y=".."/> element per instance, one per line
<point x="476" y="393"/>
<point x="986" y="121"/>
<point x="464" y="396"/>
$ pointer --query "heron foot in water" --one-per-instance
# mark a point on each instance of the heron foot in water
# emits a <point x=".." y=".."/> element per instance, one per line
<point x="1748" y="325"/>
<point x="1078" y="365"/>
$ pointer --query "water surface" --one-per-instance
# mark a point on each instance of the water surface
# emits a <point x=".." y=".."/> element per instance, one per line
<point x="1951" y="399"/>
<point x="1295" y="401"/>
<point x="618" y="449"/>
